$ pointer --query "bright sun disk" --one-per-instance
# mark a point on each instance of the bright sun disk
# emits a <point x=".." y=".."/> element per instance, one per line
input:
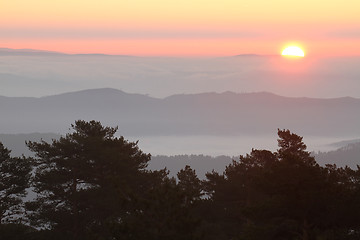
<point x="293" y="51"/>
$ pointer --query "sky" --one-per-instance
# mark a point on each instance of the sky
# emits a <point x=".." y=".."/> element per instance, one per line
<point x="182" y="28"/>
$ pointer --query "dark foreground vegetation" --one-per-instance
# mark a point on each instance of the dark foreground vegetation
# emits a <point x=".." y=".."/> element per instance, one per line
<point x="91" y="185"/>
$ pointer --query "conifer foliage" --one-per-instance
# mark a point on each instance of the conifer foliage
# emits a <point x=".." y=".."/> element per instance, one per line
<point x="14" y="179"/>
<point x="92" y="185"/>
<point x="86" y="180"/>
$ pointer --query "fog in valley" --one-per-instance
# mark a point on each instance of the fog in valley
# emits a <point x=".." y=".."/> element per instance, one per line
<point x="33" y="73"/>
<point x="189" y="107"/>
<point x="215" y="146"/>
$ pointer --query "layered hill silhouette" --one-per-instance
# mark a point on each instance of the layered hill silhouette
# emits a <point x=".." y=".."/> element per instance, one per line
<point x="348" y="155"/>
<point x="225" y="113"/>
<point x="31" y="72"/>
<point x="27" y="52"/>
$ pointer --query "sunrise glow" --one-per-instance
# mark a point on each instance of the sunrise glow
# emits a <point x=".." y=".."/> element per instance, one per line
<point x="181" y="28"/>
<point x="293" y="51"/>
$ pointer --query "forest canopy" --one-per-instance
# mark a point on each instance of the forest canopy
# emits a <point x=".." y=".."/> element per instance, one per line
<point x="90" y="184"/>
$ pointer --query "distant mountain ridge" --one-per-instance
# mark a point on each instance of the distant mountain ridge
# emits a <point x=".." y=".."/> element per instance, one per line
<point x="36" y="52"/>
<point x="27" y="52"/>
<point x="348" y="155"/>
<point x="225" y="113"/>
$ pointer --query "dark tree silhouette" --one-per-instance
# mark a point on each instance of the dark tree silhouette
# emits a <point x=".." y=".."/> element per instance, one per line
<point x="284" y="195"/>
<point x="14" y="179"/>
<point x="168" y="210"/>
<point x="190" y="184"/>
<point x="86" y="181"/>
<point x="292" y="146"/>
<point x="92" y="185"/>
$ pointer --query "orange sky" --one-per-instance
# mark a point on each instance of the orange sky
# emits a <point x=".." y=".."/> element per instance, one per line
<point x="181" y="28"/>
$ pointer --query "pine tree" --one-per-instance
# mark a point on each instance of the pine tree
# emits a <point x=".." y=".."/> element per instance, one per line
<point x="14" y="179"/>
<point x="86" y="180"/>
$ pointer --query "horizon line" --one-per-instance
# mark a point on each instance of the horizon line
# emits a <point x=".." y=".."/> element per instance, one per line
<point x="14" y="51"/>
<point x="43" y="51"/>
<point x="181" y="94"/>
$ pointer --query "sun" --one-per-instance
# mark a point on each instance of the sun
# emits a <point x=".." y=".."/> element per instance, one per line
<point x="293" y="51"/>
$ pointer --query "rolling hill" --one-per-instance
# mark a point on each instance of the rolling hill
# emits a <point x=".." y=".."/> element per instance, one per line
<point x="225" y="113"/>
